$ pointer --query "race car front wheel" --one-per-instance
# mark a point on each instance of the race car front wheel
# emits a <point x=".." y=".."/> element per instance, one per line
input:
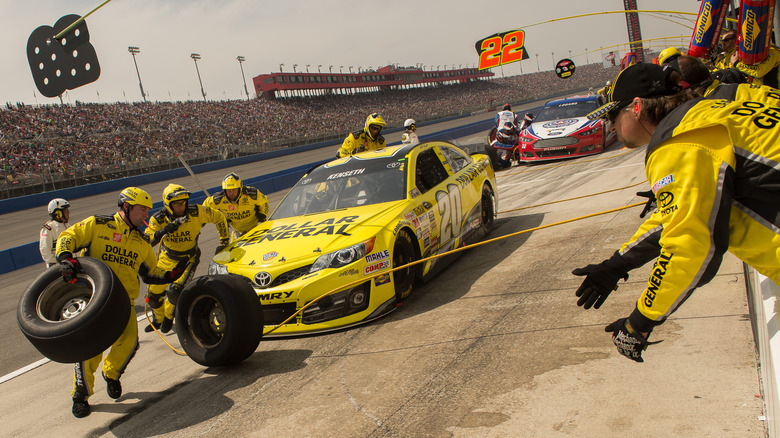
<point x="219" y="320"/>
<point x="73" y="322"/>
<point x="488" y="210"/>
<point x="403" y="253"/>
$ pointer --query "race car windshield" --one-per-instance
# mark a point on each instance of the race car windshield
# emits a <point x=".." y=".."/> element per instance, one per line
<point x="353" y="184"/>
<point x="566" y="110"/>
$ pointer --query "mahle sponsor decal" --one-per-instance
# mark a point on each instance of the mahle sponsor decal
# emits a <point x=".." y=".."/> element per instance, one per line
<point x="377" y="256"/>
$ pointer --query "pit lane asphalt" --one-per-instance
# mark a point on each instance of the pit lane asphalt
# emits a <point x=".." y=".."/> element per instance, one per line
<point x="494" y="346"/>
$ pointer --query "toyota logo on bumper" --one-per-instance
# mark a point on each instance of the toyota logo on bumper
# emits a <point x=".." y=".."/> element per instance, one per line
<point x="263" y="279"/>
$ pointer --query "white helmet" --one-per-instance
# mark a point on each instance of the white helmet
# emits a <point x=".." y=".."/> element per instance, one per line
<point x="57" y="205"/>
<point x="409" y="124"/>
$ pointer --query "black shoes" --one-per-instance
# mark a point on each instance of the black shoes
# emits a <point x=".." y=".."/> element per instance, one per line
<point x="113" y="388"/>
<point x="80" y="408"/>
<point x="150" y="328"/>
<point x="166" y="325"/>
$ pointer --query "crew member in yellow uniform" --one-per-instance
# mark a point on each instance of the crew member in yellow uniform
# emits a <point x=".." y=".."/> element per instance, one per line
<point x="713" y="167"/>
<point x="244" y="206"/>
<point x="116" y="241"/>
<point x="177" y="228"/>
<point x="369" y="139"/>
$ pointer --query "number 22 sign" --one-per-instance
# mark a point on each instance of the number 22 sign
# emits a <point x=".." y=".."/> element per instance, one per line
<point x="501" y="48"/>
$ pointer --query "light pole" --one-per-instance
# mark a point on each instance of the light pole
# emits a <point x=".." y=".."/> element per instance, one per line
<point x="295" y="66"/>
<point x="586" y="55"/>
<point x="319" y="68"/>
<point x="350" y="69"/>
<point x="280" y="68"/>
<point x="307" y="67"/>
<point x="341" y="69"/>
<point x="537" y="62"/>
<point x="553" y="60"/>
<point x="133" y="51"/>
<point x="195" y="57"/>
<point x="241" y="60"/>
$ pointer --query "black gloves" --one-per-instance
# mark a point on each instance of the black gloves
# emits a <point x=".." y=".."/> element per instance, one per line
<point x="174" y="225"/>
<point x="69" y="267"/>
<point x="155" y="301"/>
<point x="600" y="280"/>
<point x="169" y="228"/>
<point x="223" y="243"/>
<point x="177" y="270"/>
<point x="629" y="342"/>
<point x="651" y="204"/>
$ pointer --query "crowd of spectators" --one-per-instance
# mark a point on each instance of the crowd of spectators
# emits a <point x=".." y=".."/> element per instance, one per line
<point x="50" y="141"/>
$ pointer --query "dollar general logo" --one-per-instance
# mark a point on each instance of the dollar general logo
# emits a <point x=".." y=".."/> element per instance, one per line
<point x="750" y="30"/>
<point x="704" y="24"/>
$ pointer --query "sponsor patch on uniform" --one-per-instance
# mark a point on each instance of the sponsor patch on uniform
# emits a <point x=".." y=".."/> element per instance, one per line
<point x="668" y="179"/>
<point x="117" y="237"/>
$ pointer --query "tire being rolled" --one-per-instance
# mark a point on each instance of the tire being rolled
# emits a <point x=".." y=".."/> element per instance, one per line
<point x="219" y="320"/>
<point x="71" y="323"/>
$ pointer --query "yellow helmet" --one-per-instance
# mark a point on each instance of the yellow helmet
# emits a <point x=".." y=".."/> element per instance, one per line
<point x="373" y="119"/>
<point x="668" y="54"/>
<point x="135" y="196"/>
<point x="232" y="181"/>
<point x="174" y="192"/>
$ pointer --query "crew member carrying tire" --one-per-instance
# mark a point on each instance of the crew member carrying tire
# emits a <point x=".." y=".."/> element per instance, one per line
<point x="116" y="241"/>
<point x="243" y="206"/>
<point x="177" y="228"/>
<point x="368" y="139"/>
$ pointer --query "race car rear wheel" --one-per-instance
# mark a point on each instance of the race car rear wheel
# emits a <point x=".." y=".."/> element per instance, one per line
<point x="488" y="210"/>
<point x="73" y="322"/>
<point x="219" y="320"/>
<point x="403" y="253"/>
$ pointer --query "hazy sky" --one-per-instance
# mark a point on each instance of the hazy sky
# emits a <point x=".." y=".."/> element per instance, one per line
<point x="365" y="33"/>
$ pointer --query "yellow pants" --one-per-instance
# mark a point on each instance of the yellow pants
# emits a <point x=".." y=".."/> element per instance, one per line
<point x="119" y="355"/>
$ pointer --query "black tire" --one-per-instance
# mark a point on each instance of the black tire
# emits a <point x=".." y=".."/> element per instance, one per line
<point x="485" y="149"/>
<point x="488" y="210"/>
<point x="403" y="253"/>
<point x="219" y="320"/>
<point x="491" y="136"/>
<point x="71" y="323"/>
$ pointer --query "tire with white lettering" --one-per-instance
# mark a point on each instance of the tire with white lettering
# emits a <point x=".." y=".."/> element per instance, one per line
<point x="403" y="253"/>
<point x="71" y="323"/>
<point x="219" y="320"/>
<point x="488" y="210"/>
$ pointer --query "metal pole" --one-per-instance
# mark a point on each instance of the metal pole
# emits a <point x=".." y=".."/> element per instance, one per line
<point x="241" y="60"/>
<point x="195" y="57"/>
<point x="133" y="50"/>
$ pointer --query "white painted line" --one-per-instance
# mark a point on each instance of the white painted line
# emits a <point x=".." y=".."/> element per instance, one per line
<point x="35" y="365"/>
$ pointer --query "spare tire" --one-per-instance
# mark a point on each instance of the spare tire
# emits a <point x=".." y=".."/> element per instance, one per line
<point x="71" y="323"/>
<point x="219" y="320"/>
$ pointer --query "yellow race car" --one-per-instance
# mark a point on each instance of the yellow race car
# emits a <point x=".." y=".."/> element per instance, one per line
<point x="340" y="229"/>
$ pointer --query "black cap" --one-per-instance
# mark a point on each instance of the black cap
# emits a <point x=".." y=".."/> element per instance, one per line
<point x="639" y="80"/>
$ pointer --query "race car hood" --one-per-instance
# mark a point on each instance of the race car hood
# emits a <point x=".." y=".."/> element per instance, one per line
<point x="297" y="239"/>
<point x="560" y="128"/>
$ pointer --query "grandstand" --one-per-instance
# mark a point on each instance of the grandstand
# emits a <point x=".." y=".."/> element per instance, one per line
<point x="57" y="146"/>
